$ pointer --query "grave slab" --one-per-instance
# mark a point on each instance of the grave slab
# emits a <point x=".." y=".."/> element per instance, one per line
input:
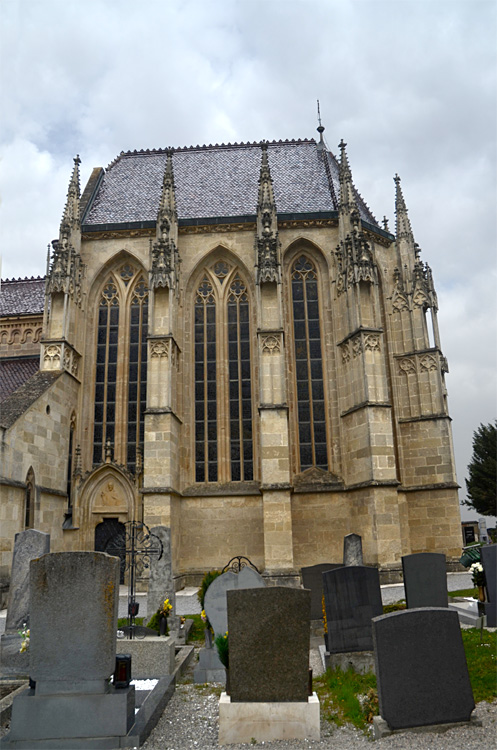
<point x="352" y="598"/>
<point x="312" y="579"/>
<point x="425" y="580"/>
<point x="269" y="636"/>
<point x="265" y="722"/>
<point x="153" y="656"/>
<point x="421" y="668"/>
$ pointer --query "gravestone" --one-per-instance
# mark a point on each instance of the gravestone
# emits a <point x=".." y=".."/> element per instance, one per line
<point x="312" y="579"/>
<point x="161" y="582"/>
<point x="209" y="667"/>
<point x="269" y="634"/>
<point x="352" y="597"/>
<point x="73" y="608"/>
<point x="421" y="668"/>
<point x="352" y="549"/>
<point x="215" y="604"/>
<point x="489" y="562"/>
<point x="28" y="545"/>
<point x="425" y="580"/>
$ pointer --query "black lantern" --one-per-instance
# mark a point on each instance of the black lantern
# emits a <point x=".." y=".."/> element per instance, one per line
<point x="122" y="674"/>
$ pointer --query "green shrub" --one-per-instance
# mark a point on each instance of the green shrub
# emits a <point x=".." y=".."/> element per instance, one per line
<point x="223" y="649"/>
<point x="210" y="576"/>
<point x="154" y="623"/>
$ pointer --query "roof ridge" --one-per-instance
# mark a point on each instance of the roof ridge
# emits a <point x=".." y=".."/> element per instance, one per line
<point x="26" y="278"/>
<point x="209" y="147"/>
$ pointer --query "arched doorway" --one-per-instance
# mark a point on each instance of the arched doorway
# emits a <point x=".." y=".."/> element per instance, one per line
<point x="110" y="537"/>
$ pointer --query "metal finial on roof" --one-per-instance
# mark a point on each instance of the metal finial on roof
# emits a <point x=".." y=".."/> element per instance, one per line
<point x="320" y="129"/>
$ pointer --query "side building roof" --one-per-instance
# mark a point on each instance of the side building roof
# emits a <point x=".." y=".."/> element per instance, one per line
<point x="18" y="402"/>
<point x="22" y="296"/>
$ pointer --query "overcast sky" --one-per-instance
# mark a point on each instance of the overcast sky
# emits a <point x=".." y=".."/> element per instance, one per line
<point x="409" y="85"/>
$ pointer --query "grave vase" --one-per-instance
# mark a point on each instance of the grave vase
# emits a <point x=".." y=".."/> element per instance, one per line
<point x="208" y="638"/>
<point x="163" y="625"/>
<point x="481" y="593"/>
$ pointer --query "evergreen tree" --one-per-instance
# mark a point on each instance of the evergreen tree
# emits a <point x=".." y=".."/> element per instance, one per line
<point x="482" y="483"/>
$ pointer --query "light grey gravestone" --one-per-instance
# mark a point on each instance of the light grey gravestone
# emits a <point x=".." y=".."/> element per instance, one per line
<point x="161" y="582"/>
<point x="28" y="545"/>
<point x="489" y="562"/>
<point x="269" y="634"/>
<point x="209" y="667"/>
<point x="73" y="607"/>
<point x="352" y="596"/>
<point x="352" y="549"/>
<point x="425" y="580"/>
<point x="421" y="668"/>
<point x="215" y="603"/>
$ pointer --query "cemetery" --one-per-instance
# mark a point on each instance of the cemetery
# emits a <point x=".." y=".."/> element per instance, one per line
<point x="261" y="663"/>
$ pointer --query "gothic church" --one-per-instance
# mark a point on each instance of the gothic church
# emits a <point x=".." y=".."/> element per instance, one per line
<point x="226" y="342"/>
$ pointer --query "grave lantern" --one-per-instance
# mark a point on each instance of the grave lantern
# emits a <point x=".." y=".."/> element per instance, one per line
<point x="122" y="674"/>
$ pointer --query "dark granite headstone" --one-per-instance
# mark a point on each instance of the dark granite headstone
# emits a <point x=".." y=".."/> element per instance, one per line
<point x="312" y="578"/>
<point x="425" y="580"/>
<point x="352" y="597"/>
<point x="489" y="561"/>
<point x="269" y="635"/>
<point x="421" y="668"/>
<point x="352" y="549"/>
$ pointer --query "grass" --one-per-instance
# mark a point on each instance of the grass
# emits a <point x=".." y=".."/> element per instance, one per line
<point x="347" y="697"/>
<point x="482" y="662"/>
<point x="123" y="622"/>
<point x="197" y="631"/>
<point x="339" y="692"/>
<point x="465" y="592"/>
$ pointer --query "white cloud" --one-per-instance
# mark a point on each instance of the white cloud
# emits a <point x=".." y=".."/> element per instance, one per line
<point x="410" y="85"/>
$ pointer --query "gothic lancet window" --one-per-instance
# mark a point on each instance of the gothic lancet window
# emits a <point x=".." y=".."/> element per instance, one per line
<point x="223" y="390"/>
<point x="121" y="367"/>
<point x="309" y="383"/>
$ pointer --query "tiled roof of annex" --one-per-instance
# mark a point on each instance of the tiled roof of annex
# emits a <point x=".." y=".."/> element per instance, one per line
<point x="218" y="181"/>
<point x="22" y="296"/>
<point x="14" y="372"/>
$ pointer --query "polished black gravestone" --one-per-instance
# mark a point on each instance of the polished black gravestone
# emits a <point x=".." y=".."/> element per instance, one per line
<point x="425" y="580"/>
<point x="421" y="668"/>
<point x="489" y="561"/>
<point x="269" y="634"/>
<point x="352" y="596"/>
<point x="312" y="578"/>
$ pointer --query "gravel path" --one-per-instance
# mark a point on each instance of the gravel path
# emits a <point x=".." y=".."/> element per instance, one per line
<point x="190" y="721"/>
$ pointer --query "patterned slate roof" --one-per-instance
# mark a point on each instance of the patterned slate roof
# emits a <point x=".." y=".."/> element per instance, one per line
<point x="22" y="296"/>
<point x="18" y="402"/>
<point x="14" y="372"/>
<point x="218" y="181"/>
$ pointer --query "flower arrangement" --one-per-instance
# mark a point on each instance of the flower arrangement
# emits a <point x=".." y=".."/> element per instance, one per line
<point x="325" y="621"/>
<point x="165" y="609"/>
<point x="223" y="649"/>
<point x="25" y="635"/>
<point x="208" y="578"/>
<point x="477" y="574"/>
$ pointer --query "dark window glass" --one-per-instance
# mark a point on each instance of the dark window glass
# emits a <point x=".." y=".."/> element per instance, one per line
<point x="308" y="370"/>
